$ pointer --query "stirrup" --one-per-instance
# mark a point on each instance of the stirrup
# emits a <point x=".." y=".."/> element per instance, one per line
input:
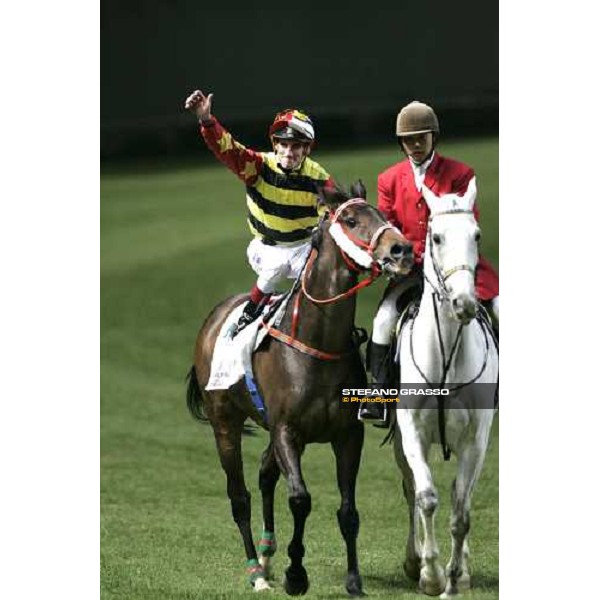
<point x="371" y="418"/>
<point x="242" y="323"/>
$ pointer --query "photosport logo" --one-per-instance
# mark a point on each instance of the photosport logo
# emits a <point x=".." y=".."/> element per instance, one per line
<point x="388" y="395"/>
<point x="450" y="396"/>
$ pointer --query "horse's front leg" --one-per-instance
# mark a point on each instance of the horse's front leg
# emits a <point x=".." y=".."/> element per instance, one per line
<point x="347" y="455"/>
<point x="288" y="451"/>
<point x="470" y="463"/>
<point x="267" y="480"/>
<point x="412" y="562"/>
<point x="432" y="580"/>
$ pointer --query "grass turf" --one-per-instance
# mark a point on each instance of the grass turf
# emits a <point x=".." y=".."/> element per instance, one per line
<point x="173" y="245"/>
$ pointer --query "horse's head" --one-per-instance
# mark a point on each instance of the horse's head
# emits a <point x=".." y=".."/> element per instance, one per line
<point x="451" y="253"/>
<point x="363" y="234"/>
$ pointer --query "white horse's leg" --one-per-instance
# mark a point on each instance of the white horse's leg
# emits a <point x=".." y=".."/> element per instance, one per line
<point x="412" y="562"/>
<point x="464" y="581"/>
<point x="432" y="580"/>
<point x="470" y="462"/>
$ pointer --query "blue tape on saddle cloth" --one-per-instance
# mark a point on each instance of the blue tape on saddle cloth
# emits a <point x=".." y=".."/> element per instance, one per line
<point x="256" y="397"/>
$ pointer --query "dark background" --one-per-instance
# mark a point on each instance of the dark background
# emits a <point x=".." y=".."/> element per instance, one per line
<point x="351" y="68"/>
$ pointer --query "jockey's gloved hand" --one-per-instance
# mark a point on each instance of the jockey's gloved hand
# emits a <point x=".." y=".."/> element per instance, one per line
<point x="200" y="105"/>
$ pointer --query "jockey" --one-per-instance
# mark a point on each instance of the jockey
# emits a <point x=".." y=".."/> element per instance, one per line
<point x="281" y="195"/>
<point x="401" y="201"/>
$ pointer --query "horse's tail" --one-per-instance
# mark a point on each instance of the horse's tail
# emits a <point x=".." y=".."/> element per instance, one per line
<point x="194" y="396"/>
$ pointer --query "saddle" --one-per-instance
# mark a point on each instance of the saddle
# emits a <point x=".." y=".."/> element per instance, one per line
<point x="232" y="358"/>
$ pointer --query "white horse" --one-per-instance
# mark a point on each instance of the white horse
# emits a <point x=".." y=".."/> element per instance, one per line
<point x="444" y="344"/>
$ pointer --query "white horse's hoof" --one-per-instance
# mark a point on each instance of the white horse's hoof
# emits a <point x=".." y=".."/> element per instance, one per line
<point x="261" y="584"/>
<point x="432" y="584"/>
<point x="462" y="584"/>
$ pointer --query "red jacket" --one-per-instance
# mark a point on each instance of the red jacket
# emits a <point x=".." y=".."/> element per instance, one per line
<point x="405" y="207"/>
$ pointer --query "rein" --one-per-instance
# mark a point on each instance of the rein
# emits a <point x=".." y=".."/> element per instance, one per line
<point x="375" y="272"/>
<point x="446" y="364"/>
<point x="358" y="256"/>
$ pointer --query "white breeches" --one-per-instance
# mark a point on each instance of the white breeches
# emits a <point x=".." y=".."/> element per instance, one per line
<point x="496" y="308"/>
<point x="275" y="263"/>
<point x="387" y="315"/>
<point x="385" y="320"/>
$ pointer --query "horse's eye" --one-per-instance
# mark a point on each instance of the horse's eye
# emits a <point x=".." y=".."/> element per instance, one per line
<point x="437" y="238"/>
<point x="351" y="222"/>
<point x="478" y="237"/>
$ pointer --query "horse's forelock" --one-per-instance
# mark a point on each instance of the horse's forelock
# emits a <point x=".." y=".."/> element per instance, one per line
<point x="358" y="190"/>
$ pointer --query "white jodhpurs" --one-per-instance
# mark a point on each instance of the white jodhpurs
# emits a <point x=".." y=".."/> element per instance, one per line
<point x="496" y="308"/>
<point x="272" y="264"/>
<point x="387" y="315"/>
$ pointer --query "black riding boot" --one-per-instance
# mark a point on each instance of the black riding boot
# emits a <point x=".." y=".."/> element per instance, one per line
<point x="487" y="304"/>
<point x="379" y="367"/>
<point x="250" y="313"/>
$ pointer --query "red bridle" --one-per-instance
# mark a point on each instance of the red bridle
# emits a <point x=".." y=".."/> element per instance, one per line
<point x="367" y="248"/>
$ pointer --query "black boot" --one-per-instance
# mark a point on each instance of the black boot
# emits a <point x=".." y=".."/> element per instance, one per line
<point x="250" y="313"/>
<point x="379" y="367"/>
<point x="487" y="304"/>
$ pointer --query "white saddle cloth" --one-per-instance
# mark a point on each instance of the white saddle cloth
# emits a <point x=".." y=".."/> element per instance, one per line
<point x="232" y="358"/>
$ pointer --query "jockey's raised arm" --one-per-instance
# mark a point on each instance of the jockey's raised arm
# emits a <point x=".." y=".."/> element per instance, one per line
<point x="282" y="193"/>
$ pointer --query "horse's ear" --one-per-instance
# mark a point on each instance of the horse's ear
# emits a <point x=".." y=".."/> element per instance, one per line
<point x="433" y="201"/>
<point x="471" y="194"/>
<point x="358" y="190"/>
<point x="331" y="196"/>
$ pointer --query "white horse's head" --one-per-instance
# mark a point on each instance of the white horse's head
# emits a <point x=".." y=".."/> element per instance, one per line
<point x="451" y="252"/>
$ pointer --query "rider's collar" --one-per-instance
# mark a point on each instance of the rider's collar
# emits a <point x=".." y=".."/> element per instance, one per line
<point x="423" y="165"/>
<point x="289" y="171"/>
<point x="420" y="170"/>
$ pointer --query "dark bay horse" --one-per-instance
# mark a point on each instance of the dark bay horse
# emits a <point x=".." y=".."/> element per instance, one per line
<point x="299" y="375"/>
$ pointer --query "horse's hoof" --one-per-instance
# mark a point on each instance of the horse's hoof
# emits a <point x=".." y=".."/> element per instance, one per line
<point x="432" y="584"/>
<point x="261" y="584"/>
<point x="295" y="581"/>
<point x="354" y="585"/>
<point x="412" y="568"/>
<point x="463" y="583"/>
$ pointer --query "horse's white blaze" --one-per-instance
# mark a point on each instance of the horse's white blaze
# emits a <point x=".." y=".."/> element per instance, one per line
<point x="358" y="255"/>
<point x="467" y="426"/>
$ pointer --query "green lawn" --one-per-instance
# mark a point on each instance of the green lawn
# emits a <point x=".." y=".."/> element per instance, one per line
<point x="173" y="245"/>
